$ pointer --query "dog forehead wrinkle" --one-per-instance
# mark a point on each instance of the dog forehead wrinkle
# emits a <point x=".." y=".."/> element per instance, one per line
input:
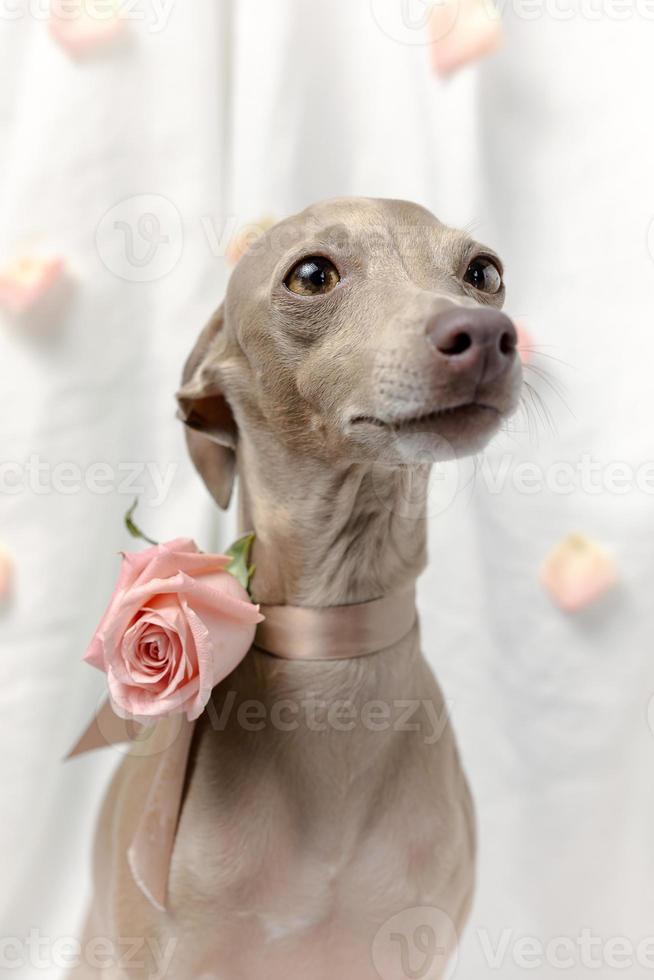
<point x="370" y="216"/>
<point x="337" y="234"/>
<point x="435" y="255"/>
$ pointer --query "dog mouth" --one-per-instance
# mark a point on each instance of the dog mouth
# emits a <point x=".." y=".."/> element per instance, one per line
<point x="463" y="413"/>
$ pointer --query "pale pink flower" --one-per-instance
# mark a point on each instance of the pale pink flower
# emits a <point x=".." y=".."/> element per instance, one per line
<point x="79" y="26"/>
<point x="177" y="624"/>
<point x="27" y="279"/>
<point x="461" y="32"/>
<point x="577" y="571"/>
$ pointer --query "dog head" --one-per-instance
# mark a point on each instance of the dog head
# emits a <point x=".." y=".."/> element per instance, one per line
<point x="360" y="330"/>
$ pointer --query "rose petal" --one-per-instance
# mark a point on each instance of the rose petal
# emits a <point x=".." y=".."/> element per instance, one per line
<point x="461" y="32"/>
<point x="207" y="654"/>
<point x="79" y="26"/>
<point x="138" y="567"/>
<point x="577" y="571"/>
<point x="166" y="612"/>
<point x="226" y="600"/>
<point x="226" y="635"/>
<point x="172" y="662"/>
<point x="185" y="666"/>
<point x="132" y="565"/>
<point x="136" y="704"/>
<point x="165" y="564"/>
<point x="25" y="280"/>
<point x="167" y="622"/>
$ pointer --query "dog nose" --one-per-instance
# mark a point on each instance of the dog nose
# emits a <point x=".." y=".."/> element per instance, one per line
<point x="473" y="337"/>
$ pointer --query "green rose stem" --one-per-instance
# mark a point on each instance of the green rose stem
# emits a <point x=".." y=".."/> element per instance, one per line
<point x="239" y="552"/>
<point x="135" y="531"/>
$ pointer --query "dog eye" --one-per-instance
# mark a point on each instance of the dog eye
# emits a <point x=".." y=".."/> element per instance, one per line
<point x="312" y="276"/>
<point x="484" y="274"/>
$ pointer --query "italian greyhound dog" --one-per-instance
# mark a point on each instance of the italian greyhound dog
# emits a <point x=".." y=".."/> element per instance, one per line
<point x="326" y="827"/>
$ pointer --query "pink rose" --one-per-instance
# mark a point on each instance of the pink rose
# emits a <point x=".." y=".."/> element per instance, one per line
<point x="577" y="571"/>
<point x="176" y="625"/>
<point x="82" y="25"/>
<point x="26" y="280"/>
<point x="461" y="32"/>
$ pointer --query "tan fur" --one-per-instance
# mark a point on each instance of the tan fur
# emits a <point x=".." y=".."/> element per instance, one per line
<point x="296" y="846"/>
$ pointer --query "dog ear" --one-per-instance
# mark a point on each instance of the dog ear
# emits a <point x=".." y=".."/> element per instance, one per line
<point x="211" y="432"/>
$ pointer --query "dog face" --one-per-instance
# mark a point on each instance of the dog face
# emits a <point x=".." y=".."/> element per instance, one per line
<point x="357" y="331"/>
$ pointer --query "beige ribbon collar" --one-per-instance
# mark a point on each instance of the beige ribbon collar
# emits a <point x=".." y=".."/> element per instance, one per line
<point x="336" y="632"/>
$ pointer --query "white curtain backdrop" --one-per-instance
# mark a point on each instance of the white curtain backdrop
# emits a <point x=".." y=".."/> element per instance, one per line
<point x="226" y="113"/>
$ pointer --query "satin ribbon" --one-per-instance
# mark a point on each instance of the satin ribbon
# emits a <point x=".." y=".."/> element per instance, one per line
<point x="336" y="632"/>
<point x="290" y="632"/>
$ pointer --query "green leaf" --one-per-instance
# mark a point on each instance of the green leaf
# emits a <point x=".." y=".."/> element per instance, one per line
<point x="239" y="566"/>
<point x="135" y="531"/>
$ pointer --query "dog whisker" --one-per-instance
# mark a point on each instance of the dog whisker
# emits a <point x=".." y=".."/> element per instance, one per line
<point x="554" y="384"/>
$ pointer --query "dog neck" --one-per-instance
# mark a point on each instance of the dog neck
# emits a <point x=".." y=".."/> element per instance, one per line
<point x="330" y="534"/>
